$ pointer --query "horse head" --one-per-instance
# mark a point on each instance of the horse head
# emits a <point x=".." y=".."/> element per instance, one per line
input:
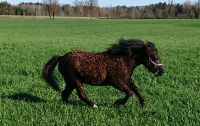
<point x="152" y="59"/>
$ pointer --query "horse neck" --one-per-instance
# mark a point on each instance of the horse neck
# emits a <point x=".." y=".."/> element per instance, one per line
<point x="131" y="63"/>
<point x="134" y="61"/>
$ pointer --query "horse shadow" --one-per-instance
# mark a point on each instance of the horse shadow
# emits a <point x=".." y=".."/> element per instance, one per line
<point x="29" y="98"/>
<point x="24" y="96"/>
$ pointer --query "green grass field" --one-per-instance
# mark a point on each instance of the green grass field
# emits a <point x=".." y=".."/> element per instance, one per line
<point x="27" y="44"/>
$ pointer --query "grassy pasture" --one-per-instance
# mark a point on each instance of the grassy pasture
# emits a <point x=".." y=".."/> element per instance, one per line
<point x="26" y="44"/>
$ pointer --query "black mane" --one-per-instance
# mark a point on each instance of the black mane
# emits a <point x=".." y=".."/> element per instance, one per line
<point x="129" y="47"/>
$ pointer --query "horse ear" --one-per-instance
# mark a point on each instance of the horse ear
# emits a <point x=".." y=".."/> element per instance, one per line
<point x="150" y="44"/>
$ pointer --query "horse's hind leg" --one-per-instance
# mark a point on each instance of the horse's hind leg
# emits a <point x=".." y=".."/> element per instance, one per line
<point x="67" y="91"/>
<point x="124" y="88"/>
<point x="82" y="94"/>
<point x="136" y="90"/>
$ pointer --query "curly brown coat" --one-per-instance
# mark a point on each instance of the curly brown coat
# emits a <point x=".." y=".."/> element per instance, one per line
<point x="111" y="67"/>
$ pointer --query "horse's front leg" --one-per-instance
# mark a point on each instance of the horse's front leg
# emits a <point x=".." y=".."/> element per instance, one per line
<point x="126" y="89"/>
<point x="136" y="90"/>
<point x="83" y="95"/>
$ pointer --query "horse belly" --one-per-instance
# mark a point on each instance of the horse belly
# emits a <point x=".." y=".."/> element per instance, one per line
<point x="94" y="76"/>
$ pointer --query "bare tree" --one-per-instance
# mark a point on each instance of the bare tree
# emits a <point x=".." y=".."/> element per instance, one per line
<point x="47" y="6"/>
<point x="51" y="7"/>
<point x="92" y="4"/>
<point x="79" y="9"/>
<point x="66" y="9"/>
<point x="54" y="7"/>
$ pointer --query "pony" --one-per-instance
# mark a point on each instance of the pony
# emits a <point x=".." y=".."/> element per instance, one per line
<point x="113" y="67"/>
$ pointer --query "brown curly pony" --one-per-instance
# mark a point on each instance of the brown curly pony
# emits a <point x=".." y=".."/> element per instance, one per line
<point x="112" y="67"/>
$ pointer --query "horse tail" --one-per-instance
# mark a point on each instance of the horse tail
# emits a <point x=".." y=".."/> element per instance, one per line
<point x="48" y="75"/>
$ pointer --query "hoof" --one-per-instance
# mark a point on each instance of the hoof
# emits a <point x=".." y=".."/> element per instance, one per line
<point x="142" y="104"/>
<point x="65" y="100"/>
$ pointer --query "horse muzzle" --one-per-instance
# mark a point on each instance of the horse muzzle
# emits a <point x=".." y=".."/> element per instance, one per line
<point x="159" y="71"/>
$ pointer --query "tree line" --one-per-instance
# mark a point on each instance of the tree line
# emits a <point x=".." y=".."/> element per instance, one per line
<point x="90" y="8"/>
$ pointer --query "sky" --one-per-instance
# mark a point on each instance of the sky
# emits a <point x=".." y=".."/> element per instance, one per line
<point x="106" y="3"/>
